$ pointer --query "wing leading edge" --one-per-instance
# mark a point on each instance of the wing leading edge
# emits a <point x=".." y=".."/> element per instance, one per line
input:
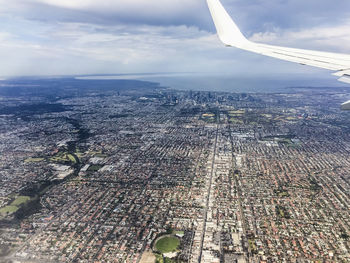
<point x="230" y="35"/>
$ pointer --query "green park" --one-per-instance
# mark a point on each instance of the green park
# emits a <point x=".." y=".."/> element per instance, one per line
<point x="167" y="244"/>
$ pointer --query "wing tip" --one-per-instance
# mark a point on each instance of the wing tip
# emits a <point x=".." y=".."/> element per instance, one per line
<point x="227" y="30"/>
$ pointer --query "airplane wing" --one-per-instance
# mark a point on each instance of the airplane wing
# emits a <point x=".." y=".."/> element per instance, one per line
<point x="230" y="35"/>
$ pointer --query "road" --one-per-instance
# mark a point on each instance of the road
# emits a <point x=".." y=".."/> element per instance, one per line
<point x="208" y="197"/>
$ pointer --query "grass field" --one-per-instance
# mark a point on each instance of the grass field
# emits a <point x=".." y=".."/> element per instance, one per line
<point x="236" y="112"/>
<point x="8" y="209"/>
<point x="94" y="168"/>
<point x="63" y="157"/>
<point x="20" y="200"/>
<point x="71" y="158"/>
<point x="101" y="155"/>
<point x="15" y="205"/>
<point x="167" y="244"/>
<point x="252" y="245"/>
<point x="34" y="160"/>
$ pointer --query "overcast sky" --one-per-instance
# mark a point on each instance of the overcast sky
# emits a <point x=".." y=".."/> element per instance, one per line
<point x="55" y="37"/>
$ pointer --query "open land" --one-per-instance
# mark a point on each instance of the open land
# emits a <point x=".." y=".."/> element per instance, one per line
<point x="167" y="244"/>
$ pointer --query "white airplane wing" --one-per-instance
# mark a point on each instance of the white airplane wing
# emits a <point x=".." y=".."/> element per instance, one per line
<point x="230" y="35"/>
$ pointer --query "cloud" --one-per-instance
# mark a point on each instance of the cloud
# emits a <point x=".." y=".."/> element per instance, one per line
<point x="253" y="16"/>
<point x="77" y="48"/>
<point x="154" y="12"/>
<point x="260" y="16"/>
<point x="110" y="6"/>
<point x="129" y="36"/>
<point x="5" y="36"/>
<point x="330" y="38"/>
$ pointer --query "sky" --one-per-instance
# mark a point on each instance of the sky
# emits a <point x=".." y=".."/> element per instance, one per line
<point x="68" y="37"/>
